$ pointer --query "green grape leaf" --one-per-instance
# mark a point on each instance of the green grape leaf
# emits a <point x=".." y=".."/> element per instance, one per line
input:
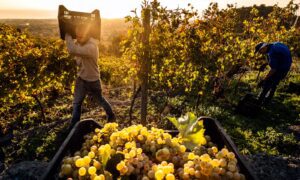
<point x="190" y="129"/>
<point x="174" y="121"/>
<point x="105" y="155"/>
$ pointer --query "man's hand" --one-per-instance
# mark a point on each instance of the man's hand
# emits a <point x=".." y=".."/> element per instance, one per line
<point x="69" y="40"/>
<point x="271" y="73"/>
<point x="263" y="67"/>
<point x="67" y="35"/>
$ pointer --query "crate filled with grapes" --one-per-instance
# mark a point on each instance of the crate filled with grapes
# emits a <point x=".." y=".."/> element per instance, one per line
<point x="199" y="149"/>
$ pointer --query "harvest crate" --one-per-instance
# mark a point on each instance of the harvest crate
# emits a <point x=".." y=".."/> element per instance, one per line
<point x="68" y="20"/>
<point x="75" y="139"/>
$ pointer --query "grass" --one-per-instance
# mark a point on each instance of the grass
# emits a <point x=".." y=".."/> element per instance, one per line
<point x="268" y="132"/>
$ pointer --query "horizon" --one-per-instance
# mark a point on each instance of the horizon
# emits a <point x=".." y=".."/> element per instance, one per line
<point x="28" y="9"/>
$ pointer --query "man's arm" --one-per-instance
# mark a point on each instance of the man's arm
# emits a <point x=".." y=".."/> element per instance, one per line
<point x="262" y="82"/>
<point x="273" y="62"/>
<point x="76" y="50"/>
<point x="271" y="73"/>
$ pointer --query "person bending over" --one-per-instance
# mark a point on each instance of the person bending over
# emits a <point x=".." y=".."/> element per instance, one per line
<point x="280" y="60"/>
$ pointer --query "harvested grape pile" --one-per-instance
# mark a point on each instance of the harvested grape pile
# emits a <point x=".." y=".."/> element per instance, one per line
<point x="139" y="153"/>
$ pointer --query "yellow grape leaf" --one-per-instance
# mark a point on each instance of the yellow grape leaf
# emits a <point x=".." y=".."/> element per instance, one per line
<point x="105" y="155"/>
<point x="190" y="129"/>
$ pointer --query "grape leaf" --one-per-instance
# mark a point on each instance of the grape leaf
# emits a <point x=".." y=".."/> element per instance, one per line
<point x="105" y="155"/>
<point x="190" y="129"/>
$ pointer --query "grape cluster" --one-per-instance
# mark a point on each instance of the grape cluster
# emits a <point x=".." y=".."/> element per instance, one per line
<point x="147" y="154"/>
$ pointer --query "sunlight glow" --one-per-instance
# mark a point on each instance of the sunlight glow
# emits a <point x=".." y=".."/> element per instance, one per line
<point x="108" y="8"/>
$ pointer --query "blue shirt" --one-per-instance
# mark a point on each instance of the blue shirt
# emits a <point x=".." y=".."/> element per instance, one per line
<point x="279" y="57"/>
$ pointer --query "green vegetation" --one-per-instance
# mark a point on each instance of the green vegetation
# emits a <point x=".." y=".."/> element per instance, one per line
<point x="196" y="66"/>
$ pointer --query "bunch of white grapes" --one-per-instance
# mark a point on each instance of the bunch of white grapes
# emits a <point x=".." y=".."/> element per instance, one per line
<point x="146" y="154"/>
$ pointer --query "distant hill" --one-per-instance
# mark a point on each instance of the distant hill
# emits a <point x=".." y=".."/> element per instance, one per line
<point x="49" y="27"/>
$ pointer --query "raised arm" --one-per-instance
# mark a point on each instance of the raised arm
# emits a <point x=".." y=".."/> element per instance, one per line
<point x="87" y="50"/>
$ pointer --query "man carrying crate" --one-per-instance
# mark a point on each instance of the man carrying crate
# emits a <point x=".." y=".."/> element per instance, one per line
<point x="280" y="60"/>
<point x="86" y="55"/>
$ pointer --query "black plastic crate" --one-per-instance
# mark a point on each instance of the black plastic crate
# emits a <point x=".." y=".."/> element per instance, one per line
<point x="68" y="20"/>
<point x="249" y="106"/>
<point x="75" y="139"/>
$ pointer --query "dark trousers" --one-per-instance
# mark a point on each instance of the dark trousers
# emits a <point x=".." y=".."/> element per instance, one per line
<point x="82" y="87"/>
<point x="270" y="86"/>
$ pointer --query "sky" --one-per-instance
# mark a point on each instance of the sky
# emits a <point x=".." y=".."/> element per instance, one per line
<point x="40" y="9"/>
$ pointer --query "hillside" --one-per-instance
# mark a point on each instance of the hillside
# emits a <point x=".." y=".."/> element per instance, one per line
<point x="49" y="27"/>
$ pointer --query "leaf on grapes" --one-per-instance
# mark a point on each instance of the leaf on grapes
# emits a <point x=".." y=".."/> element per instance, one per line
<point x="195" y="139"/>
<point x="174" y="121"/>
<point x="105" y="157"/>
<point x="190" y="129"/>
